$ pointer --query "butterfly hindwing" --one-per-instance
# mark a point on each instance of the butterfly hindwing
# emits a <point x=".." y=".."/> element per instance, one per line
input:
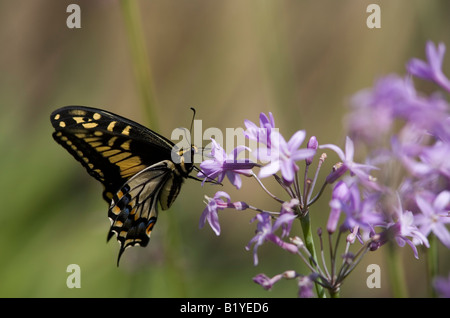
<point x="132" y="162"/>
<point x="134" y="208"/>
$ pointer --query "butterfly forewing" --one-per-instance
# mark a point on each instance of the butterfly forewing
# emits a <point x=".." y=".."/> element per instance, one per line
<point x="131" y="161"/>
<point x="110" y="147"/>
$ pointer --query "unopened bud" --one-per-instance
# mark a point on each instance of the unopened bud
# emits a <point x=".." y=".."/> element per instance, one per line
<point x="297" y="241"/>
<point x="289" y="274"/>
<point x="312" y="144"/>
<point x="338" y="170"/>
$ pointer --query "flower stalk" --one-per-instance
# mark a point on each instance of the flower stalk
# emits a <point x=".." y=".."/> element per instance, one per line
<point x="309" y="243"/>
<point x="139" y="57"/>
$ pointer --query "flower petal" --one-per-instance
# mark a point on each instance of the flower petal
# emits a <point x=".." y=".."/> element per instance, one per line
<point x="336" y="149"/>
<point x="441" y="201"/>
<point x="288" y="170"/>
<point x="349" y="149"/>
<point x="269" y="169"/>
<point x="302" y="154"/>
<point x="296" y="140"/>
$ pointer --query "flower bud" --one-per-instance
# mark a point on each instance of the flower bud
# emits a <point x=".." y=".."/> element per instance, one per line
<point x="312" y="144"/>
<point x="338" y="171"/>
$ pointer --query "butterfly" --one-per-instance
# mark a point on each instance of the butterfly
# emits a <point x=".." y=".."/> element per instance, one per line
<point x="138" y="168"/>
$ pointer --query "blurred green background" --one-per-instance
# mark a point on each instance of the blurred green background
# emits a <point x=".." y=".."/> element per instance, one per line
<point x="231" y="60"/>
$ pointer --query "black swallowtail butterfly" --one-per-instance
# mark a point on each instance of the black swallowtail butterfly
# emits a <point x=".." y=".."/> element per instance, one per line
<point x="138" y="167"/>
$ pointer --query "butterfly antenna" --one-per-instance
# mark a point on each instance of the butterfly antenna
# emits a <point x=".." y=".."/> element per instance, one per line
<point x="193" y="118"/>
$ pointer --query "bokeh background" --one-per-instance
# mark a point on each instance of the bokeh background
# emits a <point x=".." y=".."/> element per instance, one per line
<point x="231" y="60"/>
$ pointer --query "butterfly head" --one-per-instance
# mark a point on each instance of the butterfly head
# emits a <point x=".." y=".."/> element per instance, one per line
<point x="184" y="158"/>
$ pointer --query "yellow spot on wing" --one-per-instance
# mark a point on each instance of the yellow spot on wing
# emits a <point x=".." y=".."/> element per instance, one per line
<point x="95" y="144"/>
<point x="104" y="148"/>
<point x="77" y="112"/>
<point x="131" y="171"/>
<point x="79" y="120"/>
<point x="109" y="195"/>
<point x="130" y="241"/>
<point x="97" y="116"/>
<point x="130" y="162"/>
<point x="111" y="125"/>
<point x="112" y="140"/>
<point x="110" y="152"/>
<point x="57" y="116"/>
<point x="126" y="145"/>
<point x="100" y="173"/>
<point x="126" y="130"/>
<point x="119" y="157"/>
<point x="92" y="139"/>
<point x="90" y="125"/>
<point x="62" y="124"/>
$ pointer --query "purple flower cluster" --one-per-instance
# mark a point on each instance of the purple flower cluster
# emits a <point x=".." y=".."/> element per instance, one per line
<point x="409" y="132"/>
<point x="401" y="192"/>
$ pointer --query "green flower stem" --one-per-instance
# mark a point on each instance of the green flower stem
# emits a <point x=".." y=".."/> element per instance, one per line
<point x="139" y="57"/>
<point x="396" y="274"/>
<point x="142" y="71"/>
<point x="334" y="293"/>
<point x="309" y="243"/>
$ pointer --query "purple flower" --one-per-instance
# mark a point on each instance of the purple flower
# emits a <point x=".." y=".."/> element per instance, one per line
<point x="436" y="158"/>
<point x="442" y="286"/>
<point x="222" y="165"/>
<point x="262" y="133"/>
<point x="283" y="155"/>
<point x="341" y="193"/>
<point x="213" y="205"/>
<point x="265" y="281"/>
<point x="264" y="232"/>
<point x="434" y="216"/>
<point x="360" y="170"/>
<point x="374" y="110"/>
<point x="408" y="152"/>
<point x="401" y="227"/>
<point x="392" y="97"/>
<point x="286" y="217"/>
<point x="305" y="286"/>
<point x="423" y="161"/>
<point x="361" y="212"/>
<point x="432" y="68"/>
